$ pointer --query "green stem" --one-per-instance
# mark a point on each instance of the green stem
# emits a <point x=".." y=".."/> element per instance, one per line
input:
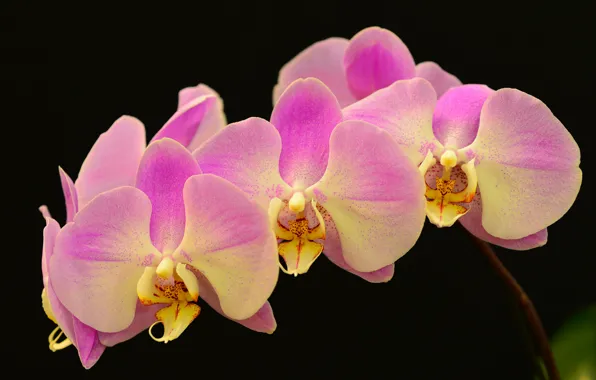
<point x="527" y="306"/>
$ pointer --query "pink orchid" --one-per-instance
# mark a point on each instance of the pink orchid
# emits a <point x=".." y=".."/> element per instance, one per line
<point x="113" y="162"/>
<point x="173" y="234"/>
<point x="353" y="69"/>
<point x="339" y="187"/>
<point x="498" y="161"/>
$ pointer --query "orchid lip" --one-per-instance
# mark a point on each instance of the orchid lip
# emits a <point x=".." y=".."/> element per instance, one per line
<point x="172" y="284"/>
<point x="300" y="245"/>
<point x="445" y="205"/>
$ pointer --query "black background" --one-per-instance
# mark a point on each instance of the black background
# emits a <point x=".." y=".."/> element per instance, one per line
<point x="76" y="68"/>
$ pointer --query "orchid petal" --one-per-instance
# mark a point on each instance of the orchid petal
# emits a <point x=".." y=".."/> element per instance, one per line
<point x="528" y="171"/>
<point x="246" y="153"/>
<point x="457" y="115"/>
<point x="144" y="318"/>
<point x="229" y="240"/>
<point x="262" y="321"/>
<point x="374" y="194"/>
<point x="405" y="110"/>
<point x="323" y="60"/>
<point x="374" y="59"/>
<point x="100" y="256"/>
<point x="87" y="343"/>
<point x="439" y="78"/>
<point x="50" y="232"/>
<point x="164" y="168"/>
<point x="83" y="337"/>
<point x="472" y="221"/>
<point x="113" y="159"/>
<point x="214" y="119"/>
<point x="184" y="125"/>
<point x="70" y="195"/>
<point x="332" y="249"/>
<point x="305" y="115"/>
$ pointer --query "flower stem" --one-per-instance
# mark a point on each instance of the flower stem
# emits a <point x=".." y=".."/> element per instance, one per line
<point x="527" y="306"/>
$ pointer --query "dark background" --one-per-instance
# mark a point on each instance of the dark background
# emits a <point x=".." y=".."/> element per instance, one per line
<point x="76" y="69"/>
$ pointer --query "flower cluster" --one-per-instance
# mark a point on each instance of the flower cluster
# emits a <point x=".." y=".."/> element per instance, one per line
<point x="361" y="147"/>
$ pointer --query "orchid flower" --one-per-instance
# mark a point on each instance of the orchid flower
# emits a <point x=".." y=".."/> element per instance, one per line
<point x="353" y="69"/>
<point x="112" y="162"/>
<point x="162" y="241"/>
<point x="339" y="187"/>
<point x="498" y="161"/>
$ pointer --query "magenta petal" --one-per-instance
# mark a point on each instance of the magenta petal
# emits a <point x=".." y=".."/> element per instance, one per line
<point x="527" y="165"/>
<point x="332" y="249"/>
<point x="144" y="318"/>
<point x="229" y="239"/>
<point x="164" y="168"/>
<point x="113" y="159"/>
<point x="305" y="115"/>
<point x="405" y="110"/>
<point x="247" y="154"/>
<point x="100" y="256"/>
<point x="457" y="115"/>
<point x="186" y="122"/>
<point x="188" y="94"/>
<point x="262" y="321"/>
<point x="214" y="119"/>
<point x="70" y="195"/>
<point x="374" y="59"/>
<point x="472" y="221"/>
<point x="83" y="337"/>
<point x="374" y="194"/>
<point x="439" y="78"/>
<point x="87" y="343"/>
<point x="50" y="232"/>
<point x="323" y="60"/>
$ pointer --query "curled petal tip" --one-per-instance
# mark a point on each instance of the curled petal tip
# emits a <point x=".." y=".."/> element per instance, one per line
<point x="271" y="329"/>
<point x="386" y="279"/>
<point x="175" y="319"/>
<point x="128" y="117"/>
<point x="44" y="211"/>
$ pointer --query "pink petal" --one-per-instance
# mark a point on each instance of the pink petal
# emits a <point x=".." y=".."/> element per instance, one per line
<point x="528" y="169"/>
<point x="50" y="232"/>
<point x="87" y="343"/>
<point x="184" y="125"/>
<point x="113" y="159"/>
<point x="246" y="153"/>
<point x="214" y="119"/>
<point x="323" y="60"/>
<point x="100" y="256"/>
<point x="262" y="321"/>
<point x="405" y="110"/>
<point x="374" y="194"/>
<point x="164" y="168"/>
<point x="457" y="115"/>
<point x="439" y="78"/>
<point x="144" y="318"/>
<point x="188" y="94"/>
<point x="70" y="195"/>
<point x="374" y="59"/>
<point x="305" y="115"/>
<point x="83" y="337"/>
<point x="332" y="249"/>
<point x="229" y="240"/>
<point x="472" y="221"/>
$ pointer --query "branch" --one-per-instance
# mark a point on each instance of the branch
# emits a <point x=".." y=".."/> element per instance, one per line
<point x="527" y="306"/>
